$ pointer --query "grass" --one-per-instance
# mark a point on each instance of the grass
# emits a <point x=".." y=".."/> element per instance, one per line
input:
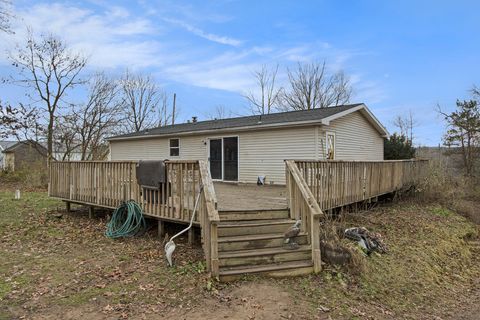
<point x="68" y="262"/>
<point x="441" y="211"/>
<point x="429" y="258"/>
<point x="50" y="265"/>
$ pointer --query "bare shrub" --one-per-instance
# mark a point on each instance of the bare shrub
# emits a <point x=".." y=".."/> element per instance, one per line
<point x="33" y="178"/>
<point x="445" y="186"/>
<point x="336" y="250"/>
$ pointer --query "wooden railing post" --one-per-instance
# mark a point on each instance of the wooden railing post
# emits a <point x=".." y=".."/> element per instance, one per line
<point x="316" y="252"/>
<point x="214" y="250"/>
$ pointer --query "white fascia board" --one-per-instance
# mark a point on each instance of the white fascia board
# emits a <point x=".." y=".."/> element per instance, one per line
<point x="366" y="112"/>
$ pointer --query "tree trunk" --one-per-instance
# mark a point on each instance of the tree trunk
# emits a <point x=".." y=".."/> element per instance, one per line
<point x="50" y="138"/>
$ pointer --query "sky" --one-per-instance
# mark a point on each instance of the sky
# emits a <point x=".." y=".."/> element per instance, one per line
<point x="400" y="56"/>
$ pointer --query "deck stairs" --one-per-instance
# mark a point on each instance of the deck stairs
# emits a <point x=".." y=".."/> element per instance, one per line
<point x="251" y="242"/>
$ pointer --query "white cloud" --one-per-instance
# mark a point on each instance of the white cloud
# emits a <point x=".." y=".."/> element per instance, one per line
<point x="209" y="36"/>
<point x="111" y="38"/>
<point x="114" y="37"/>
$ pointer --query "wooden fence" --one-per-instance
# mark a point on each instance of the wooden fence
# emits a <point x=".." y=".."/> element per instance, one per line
<point x="338" y="183"/>
<point x="108" y="184"/>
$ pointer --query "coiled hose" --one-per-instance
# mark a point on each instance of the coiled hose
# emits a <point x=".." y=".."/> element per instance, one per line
<point x="127" y="221"/>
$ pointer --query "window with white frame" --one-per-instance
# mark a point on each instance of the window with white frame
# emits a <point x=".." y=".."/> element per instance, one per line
<point x="330" y="146"/>
<point x="174" y="147"/>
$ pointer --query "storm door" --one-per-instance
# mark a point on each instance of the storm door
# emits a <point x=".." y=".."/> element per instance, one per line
<point x="223" y="158"/>
<point x="216" y="159"/>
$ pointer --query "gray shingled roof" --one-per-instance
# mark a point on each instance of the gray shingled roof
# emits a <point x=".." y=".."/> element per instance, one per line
<point x="6" y="144"/>
<point x="248" y="121"/>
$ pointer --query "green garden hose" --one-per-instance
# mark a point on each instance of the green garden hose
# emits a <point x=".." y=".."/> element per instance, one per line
<point x="127" y="221"/>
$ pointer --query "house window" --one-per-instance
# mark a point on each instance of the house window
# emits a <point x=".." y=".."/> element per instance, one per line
<point x="174" y="147"/>
<point x="330" y="146"/>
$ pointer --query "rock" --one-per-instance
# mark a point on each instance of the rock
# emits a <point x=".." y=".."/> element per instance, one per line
<point x="335" y="255"/>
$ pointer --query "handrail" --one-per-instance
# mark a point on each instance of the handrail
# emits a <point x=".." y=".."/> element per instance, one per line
<point x="209" y="191"/>
<point x="209" y="220"/>
<point x="336" y="183"/>
<point x="108" y="183"/>
<point x="304" y="208"/>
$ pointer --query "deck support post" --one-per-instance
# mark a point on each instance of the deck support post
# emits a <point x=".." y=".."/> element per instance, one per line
<point x="214" y="263"/>
<point x="161" y="229"/>
<point x="91" y="212"/>
<point x="191" y="236"/>
<point x="67" y="206"/>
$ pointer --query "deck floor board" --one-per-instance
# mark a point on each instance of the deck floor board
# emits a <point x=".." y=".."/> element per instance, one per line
<point x="238" y="197"/>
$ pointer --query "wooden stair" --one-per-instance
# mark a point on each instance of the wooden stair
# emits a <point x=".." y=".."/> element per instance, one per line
<point x="251" y="242"/>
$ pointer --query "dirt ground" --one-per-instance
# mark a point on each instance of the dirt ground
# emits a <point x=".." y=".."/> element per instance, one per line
<point x="64" y="267"/>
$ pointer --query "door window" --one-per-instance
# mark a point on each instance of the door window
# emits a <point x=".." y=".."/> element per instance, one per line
<point x="216" y="158"/>
<point x="330" y="146"/>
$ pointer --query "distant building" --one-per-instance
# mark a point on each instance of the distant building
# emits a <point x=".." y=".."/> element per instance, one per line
<point x="24" y="154"/>
<point x="4" y="145"/>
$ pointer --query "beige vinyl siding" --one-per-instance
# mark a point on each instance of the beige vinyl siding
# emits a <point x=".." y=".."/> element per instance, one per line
<point x="261" y="152"/>
<point x="355" y="138"/>
<point x="191" y="148"/>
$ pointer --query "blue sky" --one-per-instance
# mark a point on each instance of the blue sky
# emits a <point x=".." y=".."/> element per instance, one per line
<point x="400" y="55"/>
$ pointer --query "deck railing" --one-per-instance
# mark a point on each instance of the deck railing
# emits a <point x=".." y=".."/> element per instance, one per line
<point x="108" y="184"/>
<point x="304" y="207"/>
<point x="338" y="183"/>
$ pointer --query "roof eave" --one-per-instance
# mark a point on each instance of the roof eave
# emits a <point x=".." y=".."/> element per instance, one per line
<point x="366" y="112"/>
<point x="244" y="128"/>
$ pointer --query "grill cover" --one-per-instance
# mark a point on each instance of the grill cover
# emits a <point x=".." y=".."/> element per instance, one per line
<point x="151" y="173"/>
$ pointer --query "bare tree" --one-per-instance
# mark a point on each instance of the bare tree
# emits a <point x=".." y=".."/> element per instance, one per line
<point x="66" y="139"/>
<point x="50" y="70"/>
<point x="145" y="104"/>
<point x="265" y="97"/>
<point x="167" y="115"/>
<point x="87" y="125"/>
<point x="5" y="16"/>
<point x="405" y="125"/>
<point x="310" y="87"/>
<point x="219" y="112"/>
<point x="20" y="122"/>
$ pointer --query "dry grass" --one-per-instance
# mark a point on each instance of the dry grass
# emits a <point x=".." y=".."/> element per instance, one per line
<point x="55" y="267"/>
<point x="430" y="270"/>
<point x="453" y="191"/>
<point x="33" y="178"/>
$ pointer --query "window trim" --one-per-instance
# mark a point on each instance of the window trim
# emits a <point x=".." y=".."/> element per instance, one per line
<point x="330" y="133"/>
<point x="170" y="147"/>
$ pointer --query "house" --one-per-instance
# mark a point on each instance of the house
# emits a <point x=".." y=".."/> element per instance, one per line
<point x="4" y="145"/>
<point x="24" y="154"/>
<point x="245" y="148"/>
<point x="60" y="153"/>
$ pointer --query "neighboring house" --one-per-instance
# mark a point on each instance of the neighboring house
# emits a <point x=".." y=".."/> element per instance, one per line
<point x="60" y="154"/>
<point x="24" y="154"/>
<point x="4" y="145"/>
<point x="244" y="148"/>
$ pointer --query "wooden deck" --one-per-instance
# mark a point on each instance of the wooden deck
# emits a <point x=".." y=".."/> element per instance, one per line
<point x="244" y="197"/>
<point x="241" y="225"/>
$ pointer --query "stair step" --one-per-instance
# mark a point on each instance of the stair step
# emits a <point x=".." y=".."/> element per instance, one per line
<point x="230" y="228"/>
<point x="253" y="215"/>
<point x="263" y="256"/>
<point x="274" y="270"/>
<point x="256" y="241"/>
